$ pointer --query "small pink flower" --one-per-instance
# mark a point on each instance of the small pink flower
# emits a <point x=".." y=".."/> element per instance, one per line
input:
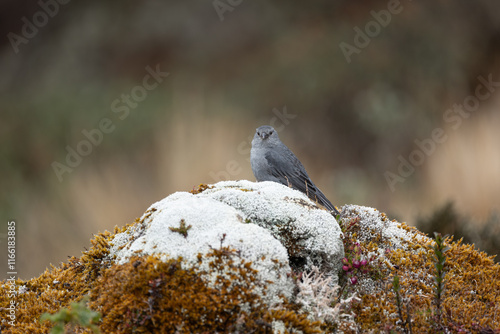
<point x="364" y="262"/>
<point x="345" y="268"/>
<point x="354" y="280"/>
<point x="356" y="264"/>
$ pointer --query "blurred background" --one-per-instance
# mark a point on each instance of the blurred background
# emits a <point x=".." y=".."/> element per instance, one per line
<point x="350" y="85"/>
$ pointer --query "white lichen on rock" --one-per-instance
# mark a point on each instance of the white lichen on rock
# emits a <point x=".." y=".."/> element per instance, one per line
<point x="211" y="222"/>
<point x="372" y="221"/>
<point x="373" y="226"/>
<point x="264" y="222"/>
<point x="310" y="233"/>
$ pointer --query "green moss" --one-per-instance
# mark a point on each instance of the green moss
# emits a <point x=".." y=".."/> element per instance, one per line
<point x="77" y="315"/>
<point x="182" y="229"/>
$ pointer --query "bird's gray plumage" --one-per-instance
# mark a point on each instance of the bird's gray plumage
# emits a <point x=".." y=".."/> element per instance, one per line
<point x="272" y="160"/>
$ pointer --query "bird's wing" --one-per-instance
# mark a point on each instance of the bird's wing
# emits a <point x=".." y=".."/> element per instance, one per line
<point x="289" y="170"/>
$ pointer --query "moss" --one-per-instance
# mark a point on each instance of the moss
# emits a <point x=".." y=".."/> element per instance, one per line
<point x="201" y="188"/>
<point x="69" y="318"/>
<point x="287" y="233"/>
<point x="182" y="229"/>
<point x="472" y="279"/>
<point x="245" y="190"/>
<point x="148" y="295"/>
<point x="57" y="287"/>
<point x="471" y="299"/>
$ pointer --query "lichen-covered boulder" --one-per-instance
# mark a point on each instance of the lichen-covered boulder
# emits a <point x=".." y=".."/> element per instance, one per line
<point x="310" y="233"/>
<point x="183" y="225"/>
<point x="266" y="223"/>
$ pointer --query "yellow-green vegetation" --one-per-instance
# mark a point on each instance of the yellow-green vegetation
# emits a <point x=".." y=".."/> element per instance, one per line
<point x="77" y="314"/>
<point x="182" y="229"/>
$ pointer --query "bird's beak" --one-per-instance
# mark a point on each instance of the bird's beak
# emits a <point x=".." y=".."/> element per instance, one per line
<point x="264" y="135"/>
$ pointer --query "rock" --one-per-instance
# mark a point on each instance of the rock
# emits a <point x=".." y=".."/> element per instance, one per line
<point x="267" y="223"/>
<point x="310" y="234"/>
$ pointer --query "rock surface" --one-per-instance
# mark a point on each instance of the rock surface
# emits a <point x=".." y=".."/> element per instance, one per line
<point x="267" y="223"/>
<point x="310" y="233"/>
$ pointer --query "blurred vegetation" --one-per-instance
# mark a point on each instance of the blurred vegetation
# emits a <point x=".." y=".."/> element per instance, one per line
<point x="484" y="235"/>
<point x="352" y="120"/>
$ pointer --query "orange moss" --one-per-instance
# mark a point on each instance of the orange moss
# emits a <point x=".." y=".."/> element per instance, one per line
<point x="56" y="288"/>
<point x="201" y="188"/>
<point x="146" y="295"/>
<point x="471" y="299"/>
<point x="472" y="295"/>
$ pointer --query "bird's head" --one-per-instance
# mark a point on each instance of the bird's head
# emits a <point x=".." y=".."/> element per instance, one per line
<point x="264" y="134"/>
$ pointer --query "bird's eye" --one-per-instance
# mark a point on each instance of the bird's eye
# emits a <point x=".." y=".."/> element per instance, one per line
<point x="271" y="132"/>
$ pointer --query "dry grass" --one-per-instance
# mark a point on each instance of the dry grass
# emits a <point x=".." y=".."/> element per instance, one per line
<point x="466" y="168"/>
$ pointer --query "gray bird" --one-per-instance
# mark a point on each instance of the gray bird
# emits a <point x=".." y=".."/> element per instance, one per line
<point x="271" y="160"/>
